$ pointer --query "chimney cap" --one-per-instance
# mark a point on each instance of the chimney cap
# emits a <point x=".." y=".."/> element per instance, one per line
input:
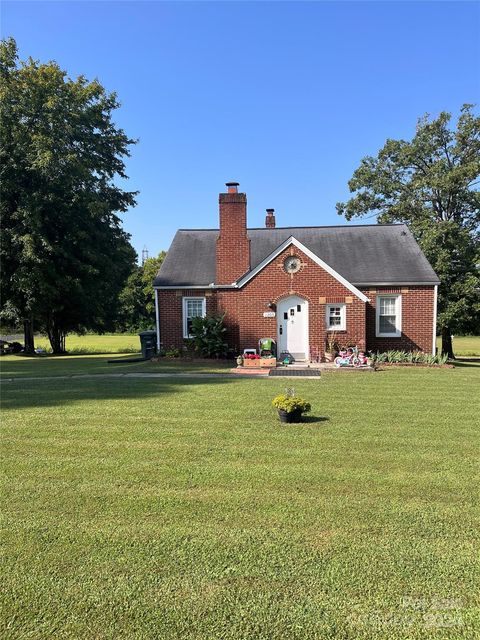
<point x="270" y="219"/>
<point x="232" y="187"/>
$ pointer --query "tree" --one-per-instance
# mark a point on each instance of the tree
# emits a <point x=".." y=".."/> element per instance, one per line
<point x="430" y="183"/>
<point x="64" y="254"/>
<point x="137" y="299"/>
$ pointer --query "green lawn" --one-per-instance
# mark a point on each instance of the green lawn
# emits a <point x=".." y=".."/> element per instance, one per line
<point x="92" y="343"/>
<point x="182" y="509"/>
<point x="25" y="366"/>
<point x="464" y="345"/>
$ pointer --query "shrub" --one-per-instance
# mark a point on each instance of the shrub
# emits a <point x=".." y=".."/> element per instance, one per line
<point x="289" y="403"/>
<point x="208" y="336"/>
<point x="173" y="352"/>
<point x="15" y="347"/>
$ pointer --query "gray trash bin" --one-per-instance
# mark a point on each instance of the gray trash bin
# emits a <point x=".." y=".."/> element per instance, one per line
<point x="148" y="343"/>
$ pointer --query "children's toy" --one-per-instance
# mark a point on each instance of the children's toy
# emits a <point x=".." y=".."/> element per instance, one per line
<point x="351" y="357"/>
<point x="345" y="358"/>
<point x="362" y="359"/>
<point x="286" y="358"/>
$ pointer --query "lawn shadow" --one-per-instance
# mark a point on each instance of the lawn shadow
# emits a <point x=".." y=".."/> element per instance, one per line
<point x="65" y="365"/>
<point x="127" y="359"/>
<point x="56" y="392"/>
<point x="313" y="419"/>
<point x="466" y="362"/>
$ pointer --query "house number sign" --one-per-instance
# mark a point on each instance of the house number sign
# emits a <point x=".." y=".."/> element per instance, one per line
<point x="269" y="314"/>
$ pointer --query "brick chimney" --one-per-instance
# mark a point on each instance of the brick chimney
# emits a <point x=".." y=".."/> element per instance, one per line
<point x="233" y="244"/>
<point x="270" y="219"/>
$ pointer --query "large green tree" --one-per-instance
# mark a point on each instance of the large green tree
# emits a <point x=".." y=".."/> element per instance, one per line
<point x="64" y="254"/>
<point x="137" y="299"/>
<point x="430" y="183"/>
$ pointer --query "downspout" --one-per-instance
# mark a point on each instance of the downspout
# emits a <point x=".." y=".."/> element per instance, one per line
<point x="434" y="342"/>
<point x="157" y="317"/>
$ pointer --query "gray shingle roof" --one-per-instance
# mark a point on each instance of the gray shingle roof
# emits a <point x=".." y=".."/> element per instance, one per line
<point x="363" y="254"/>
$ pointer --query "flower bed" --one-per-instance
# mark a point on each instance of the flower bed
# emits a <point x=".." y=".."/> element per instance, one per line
<point x="380" y="365"/>
<point x="408" y="358"/>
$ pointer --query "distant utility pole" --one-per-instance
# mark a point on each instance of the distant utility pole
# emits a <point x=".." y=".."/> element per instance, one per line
<point x="144" y="255"/>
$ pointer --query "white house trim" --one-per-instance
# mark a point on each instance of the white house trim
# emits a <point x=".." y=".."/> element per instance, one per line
<point x="157" y="318"/>
<point x="234" y="285"/>
<point x="395" y="284"/>
<point x="292" y="240"/>
<point x="434" y="340"/>
<point x="185" y="301"/>
<point x="343" y="320"/>
<point x="398" y="316"/>
<point x="184" y="286"/>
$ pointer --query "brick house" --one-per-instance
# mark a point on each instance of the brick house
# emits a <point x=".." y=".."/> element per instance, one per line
<point x="371" y="284"/>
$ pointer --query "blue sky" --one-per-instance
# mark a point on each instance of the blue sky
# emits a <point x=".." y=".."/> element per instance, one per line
<point x="284" y="97"/>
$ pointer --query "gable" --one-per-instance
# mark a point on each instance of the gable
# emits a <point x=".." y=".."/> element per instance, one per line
<point x="296" y="243"/>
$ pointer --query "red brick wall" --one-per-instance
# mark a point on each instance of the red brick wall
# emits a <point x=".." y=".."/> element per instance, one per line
<point x="245" y="307"/>
<point x="171" y="314"/>
<point x="233" y="244"/>
<point x="244" y="310"/>
<point x="417" y="319"/>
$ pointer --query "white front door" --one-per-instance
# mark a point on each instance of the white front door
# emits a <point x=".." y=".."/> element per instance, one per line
<point x="292" y="326"/>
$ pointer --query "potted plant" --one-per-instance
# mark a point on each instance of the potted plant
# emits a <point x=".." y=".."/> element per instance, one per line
<point x="290" y="407"/>
<point x="331" y="346"/>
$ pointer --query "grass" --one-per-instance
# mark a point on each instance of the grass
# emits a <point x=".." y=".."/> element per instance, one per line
<point x="166" y="509"/>
<point x="93" y="343"/>
<point x="43" y="366"/>
<point x="464" y="345"/>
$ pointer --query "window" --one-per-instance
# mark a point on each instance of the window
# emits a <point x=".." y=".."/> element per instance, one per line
<point x="389" y="316"/>
<point x="192" y="308"/>
<point x="336" y="317"/>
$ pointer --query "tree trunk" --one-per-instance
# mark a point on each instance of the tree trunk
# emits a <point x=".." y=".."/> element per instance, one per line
<point x="56" y="338"/>
<point x="29" y="339"/>
<point x="447" y="346"/>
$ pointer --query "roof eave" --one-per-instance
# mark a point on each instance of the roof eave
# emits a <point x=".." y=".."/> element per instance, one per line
<point x="398" y="283"/>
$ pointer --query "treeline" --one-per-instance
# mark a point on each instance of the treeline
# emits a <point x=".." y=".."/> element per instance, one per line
<point x="136" y="302"/>
<point x="131" y="311"/>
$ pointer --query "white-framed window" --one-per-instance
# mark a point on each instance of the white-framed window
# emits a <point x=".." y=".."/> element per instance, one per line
<point x="389" y="316"/>
<point x="335" y="317"/>
<point x="192" y="308"/>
